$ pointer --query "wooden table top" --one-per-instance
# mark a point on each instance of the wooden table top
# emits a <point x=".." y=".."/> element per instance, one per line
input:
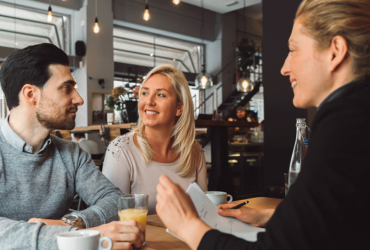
<point x="158" y="238"/>
<point x="97" y="127"/>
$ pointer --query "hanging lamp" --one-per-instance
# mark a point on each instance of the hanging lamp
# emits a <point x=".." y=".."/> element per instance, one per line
<point x="176" y="1"/>
<point x="203" y="80"/>
<point x="245" y="84"/>
<point x="96" y="25"/>
<point x="146" y="15"/>
<point x="50" y="13"/>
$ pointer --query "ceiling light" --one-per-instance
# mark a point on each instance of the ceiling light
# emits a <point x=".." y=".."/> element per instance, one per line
<point x="244" y="84"/>
<point x="176" y="1"/>
<point x="146" y="12"/>
<point x="96" y="25"/>
<point x="203" y="79"/>
<point x="50" y="13"/>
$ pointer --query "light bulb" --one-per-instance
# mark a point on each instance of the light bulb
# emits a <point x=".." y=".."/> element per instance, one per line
<point x="176" y="2"/>
<point x="96" y="26"/>
<point x="203" y="81"/>
<point x="50" y="15"/>
<point x="245" y="84"/>
<point x="146" y="13"/>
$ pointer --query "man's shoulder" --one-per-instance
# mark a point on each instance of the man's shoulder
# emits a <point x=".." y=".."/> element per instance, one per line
<point x="64" y="145"/>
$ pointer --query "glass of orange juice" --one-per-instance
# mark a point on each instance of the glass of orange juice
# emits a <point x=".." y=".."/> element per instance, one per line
<point x="133" y="207"/>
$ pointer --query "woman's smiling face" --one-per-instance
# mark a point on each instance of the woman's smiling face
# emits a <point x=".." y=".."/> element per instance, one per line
<point x="157" y="104"/>
<point x="307" y="68"/>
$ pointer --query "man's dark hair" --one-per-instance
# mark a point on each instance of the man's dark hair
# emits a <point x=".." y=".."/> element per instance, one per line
<point x="79" y="135"/>
<point x="29" y="65"/>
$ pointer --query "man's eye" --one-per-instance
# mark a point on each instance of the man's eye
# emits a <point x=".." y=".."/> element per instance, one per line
<point x="67" y="88"/>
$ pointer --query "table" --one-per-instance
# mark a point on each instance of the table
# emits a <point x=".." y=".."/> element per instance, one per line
<point x="220" y="177"/>
<point x="158" y="238"/>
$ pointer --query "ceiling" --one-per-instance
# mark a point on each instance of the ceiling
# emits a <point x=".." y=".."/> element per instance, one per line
<point x="223" y="6"/>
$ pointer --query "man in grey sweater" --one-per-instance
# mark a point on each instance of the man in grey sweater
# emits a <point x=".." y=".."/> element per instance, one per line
<point x="40" y="173"/>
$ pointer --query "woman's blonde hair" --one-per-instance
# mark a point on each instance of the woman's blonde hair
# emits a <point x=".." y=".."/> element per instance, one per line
<point x="325" y="19"/>
<point x="184" y="130"/>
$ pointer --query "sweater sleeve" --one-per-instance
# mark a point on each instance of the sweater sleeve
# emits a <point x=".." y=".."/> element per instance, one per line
<point x="97" y="191"/>
<point x="34" y="236"/>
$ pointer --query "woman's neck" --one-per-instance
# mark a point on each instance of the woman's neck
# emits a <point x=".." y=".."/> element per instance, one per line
<point x="161" y="141"/>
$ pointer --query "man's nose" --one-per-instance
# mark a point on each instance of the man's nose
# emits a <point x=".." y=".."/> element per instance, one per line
<point x="77" y="99"/>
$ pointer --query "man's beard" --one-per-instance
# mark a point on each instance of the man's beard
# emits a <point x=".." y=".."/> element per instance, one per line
<point x="56" y="120"/>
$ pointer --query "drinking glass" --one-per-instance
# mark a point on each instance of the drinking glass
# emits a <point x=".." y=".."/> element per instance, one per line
<point x="133" y="207"/>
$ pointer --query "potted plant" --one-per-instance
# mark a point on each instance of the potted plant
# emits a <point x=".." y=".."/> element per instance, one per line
<point x="124" y="100"/>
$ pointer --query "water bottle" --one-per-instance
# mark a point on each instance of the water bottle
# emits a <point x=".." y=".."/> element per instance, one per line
<point x="299" y="151"/>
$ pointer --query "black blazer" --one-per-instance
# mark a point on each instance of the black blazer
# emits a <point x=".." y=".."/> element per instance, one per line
<point x="328" y="206"/>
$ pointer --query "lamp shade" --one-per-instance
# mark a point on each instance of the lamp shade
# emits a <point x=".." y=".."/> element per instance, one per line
<point x="245" y="84"/>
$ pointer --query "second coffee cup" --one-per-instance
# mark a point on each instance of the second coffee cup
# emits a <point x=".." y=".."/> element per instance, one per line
<point x="218" y="197"/>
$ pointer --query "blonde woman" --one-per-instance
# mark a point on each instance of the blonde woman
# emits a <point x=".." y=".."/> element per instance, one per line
<point x="163" y="141"/>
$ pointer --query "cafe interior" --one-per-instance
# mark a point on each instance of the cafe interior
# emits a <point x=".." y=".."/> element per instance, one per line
<point x="230" y="52"/>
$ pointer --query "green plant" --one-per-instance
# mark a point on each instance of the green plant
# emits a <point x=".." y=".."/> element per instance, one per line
<point x="116" y="99"/>
<point x="121" y="94"/>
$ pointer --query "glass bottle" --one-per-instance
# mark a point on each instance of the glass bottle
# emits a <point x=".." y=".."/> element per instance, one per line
<point x="299" y="150"/>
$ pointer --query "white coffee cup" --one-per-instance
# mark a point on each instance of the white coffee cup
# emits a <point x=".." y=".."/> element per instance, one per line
<point x="218" y="197"/>
<point x="82" y="240"/>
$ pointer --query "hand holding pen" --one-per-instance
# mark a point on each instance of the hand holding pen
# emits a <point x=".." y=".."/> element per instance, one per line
<point x="250" y="215"/>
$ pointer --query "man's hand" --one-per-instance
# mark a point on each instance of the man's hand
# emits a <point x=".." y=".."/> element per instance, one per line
<point x="177" y="212"/>
<point x="252" y="216"/>
<point x="48" y="222"/>
<point x="124" y="234"/>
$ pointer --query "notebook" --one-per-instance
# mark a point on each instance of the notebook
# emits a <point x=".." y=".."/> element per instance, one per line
<point x="207" y="211"/>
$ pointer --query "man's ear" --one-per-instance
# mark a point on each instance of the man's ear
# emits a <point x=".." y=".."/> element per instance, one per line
<point x="338" y="51"/>
<point x="29" y="94"/>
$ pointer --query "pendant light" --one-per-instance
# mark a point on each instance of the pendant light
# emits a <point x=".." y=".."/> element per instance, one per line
<point x="203" y="79"/>
<point x="96" y="26"/>
<point x="176" y="1"/>
<point x="244" y="84"/>
<point x="50" y="13"/>
<point x="146" y="15"/>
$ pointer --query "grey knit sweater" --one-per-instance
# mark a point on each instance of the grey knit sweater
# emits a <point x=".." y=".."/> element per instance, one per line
<point x="43" y="186"/>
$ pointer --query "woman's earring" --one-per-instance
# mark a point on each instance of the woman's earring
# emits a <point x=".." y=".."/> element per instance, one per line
<point x="177" y="114"/>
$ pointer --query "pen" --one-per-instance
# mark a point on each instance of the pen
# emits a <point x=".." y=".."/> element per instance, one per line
<point x="240" y="205"/>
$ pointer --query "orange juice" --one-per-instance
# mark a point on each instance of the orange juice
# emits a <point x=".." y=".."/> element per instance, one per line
<point x="135" y="214"/>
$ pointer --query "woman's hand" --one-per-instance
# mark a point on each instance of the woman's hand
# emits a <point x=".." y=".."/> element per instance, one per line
<point x="177" y="212"/>
<point x="252" y="216"/>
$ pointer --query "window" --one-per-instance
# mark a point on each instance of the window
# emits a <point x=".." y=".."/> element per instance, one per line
<point x="145" y="49"/>
<point x="22" y="26"/>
